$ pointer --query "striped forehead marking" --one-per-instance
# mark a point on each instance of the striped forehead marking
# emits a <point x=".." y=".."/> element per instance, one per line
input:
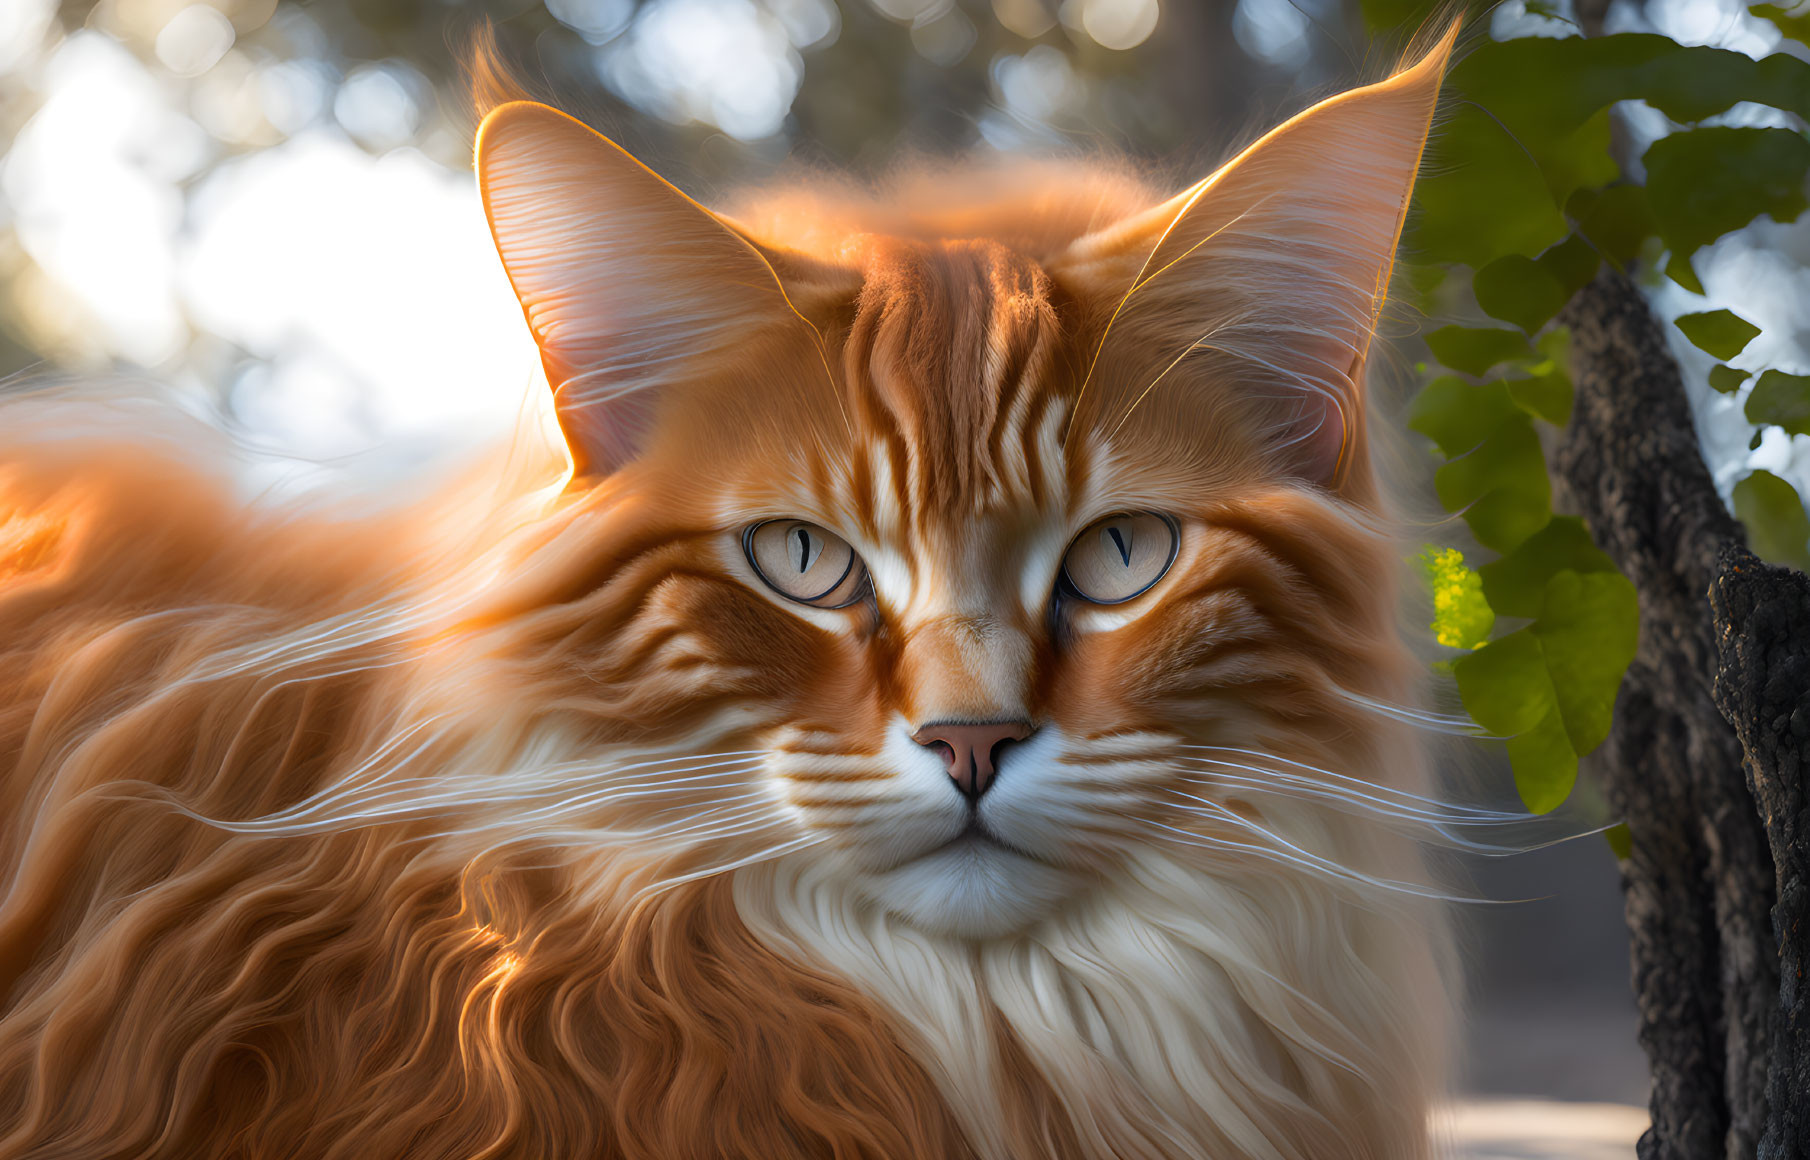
<point x="952" y="360"/>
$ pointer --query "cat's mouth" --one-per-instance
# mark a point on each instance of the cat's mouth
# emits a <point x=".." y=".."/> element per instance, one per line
<point x="977" y="835"/>
<point x="974" y="884"/>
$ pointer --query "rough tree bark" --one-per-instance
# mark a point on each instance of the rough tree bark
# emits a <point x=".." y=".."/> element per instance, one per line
<point x="1699" y="885"/>
<point x="1762" y="686"/>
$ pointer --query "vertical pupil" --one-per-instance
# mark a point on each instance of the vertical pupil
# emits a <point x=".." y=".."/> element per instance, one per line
<point x="804" y="549"/>
<point x="1122" y="542"/>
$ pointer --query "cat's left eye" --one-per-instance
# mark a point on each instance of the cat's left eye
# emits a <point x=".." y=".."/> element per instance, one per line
<point x="805" y="562"/>
<point x="1120" y="557"/>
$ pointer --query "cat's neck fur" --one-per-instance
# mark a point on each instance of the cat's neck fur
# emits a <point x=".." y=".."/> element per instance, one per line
<point x="1172" y="1013"/>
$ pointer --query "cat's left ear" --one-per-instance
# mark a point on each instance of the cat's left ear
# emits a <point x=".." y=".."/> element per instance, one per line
<point x="628" y="285"/>
<point x="1266" y="279"/>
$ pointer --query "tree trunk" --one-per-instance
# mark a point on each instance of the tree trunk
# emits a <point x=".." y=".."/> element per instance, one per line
<point x="1763" y="687"/>
<point x="1699" y="883"/>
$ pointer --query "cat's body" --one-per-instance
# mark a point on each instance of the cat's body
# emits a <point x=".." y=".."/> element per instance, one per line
<point x="589" y="837"/>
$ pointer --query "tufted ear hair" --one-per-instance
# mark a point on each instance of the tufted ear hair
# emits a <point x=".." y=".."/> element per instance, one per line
<point x="1267" y="277"/>
<point x="628" y="285"/>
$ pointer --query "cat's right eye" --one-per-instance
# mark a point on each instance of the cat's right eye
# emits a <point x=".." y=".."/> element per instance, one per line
<point x="1120" y="557"/>
<point x="805" y="562"/>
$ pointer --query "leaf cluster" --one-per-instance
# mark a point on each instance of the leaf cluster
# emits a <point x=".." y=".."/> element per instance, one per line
<point x="1521" y="202"/>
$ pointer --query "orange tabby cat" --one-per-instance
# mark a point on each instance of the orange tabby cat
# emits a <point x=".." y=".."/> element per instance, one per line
<point x="916" y="731"/>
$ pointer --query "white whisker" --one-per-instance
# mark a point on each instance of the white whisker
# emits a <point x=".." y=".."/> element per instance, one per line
<point x="1425" y="818"/>
<point x="1451" y="723"/>
<point x="1421" y="829"/>
<point x="801" y="842"/>
<point x="1405" y="806"/>
<point x="369" y="797"/>
<point x="1314" y="864"/>
<point x="1329" y="775"/>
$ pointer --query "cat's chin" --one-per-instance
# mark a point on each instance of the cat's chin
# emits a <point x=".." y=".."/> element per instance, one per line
<point x="971" y="888"/>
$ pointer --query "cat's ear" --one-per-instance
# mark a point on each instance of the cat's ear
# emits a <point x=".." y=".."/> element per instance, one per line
<point x="1267" y="278"/>
<point x="627" y="284"/>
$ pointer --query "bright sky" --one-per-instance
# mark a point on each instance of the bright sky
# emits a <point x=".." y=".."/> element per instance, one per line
<point x="364" y="287"/>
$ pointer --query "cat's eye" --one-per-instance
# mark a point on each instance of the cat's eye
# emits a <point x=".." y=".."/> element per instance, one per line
<point x="1120" y="557"/>
<point x="804" y="562"/>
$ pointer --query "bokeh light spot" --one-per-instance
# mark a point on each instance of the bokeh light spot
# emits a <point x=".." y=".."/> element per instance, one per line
<point x="377" y="105"/>
<point x="944" y="39"/>
<point x="597" y="21"/>
<point x="722" y="62"/>
<point x="23" y="24"/>
<point x="194" y="40"/>
<point x="1027" y="18"/>
<point x="1119" y="24"/>
<point x="1273" y="31"/>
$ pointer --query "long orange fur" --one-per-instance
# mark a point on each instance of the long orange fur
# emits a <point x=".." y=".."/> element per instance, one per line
<point x="180" y="977"/>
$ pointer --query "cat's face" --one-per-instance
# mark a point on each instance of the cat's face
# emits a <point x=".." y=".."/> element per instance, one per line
<point x="1010" y="622"/>
<point x="971" y="545"/>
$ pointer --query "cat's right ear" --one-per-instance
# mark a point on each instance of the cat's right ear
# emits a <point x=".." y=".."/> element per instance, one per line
<point x="627" y="284"/>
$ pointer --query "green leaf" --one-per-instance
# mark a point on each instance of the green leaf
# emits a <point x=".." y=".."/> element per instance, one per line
<point x="1621" y="842"/>
<point x="1507" y="515"/>
<point x="1615" y="219"/>
<point x="1588" y="628"/>
<point x="1705" y="182"/>
<point x="1504" y="684"/>
<point x="1550" y="687"/>
<point x="1515" y="585"/>
<point x="1547" y="393"/>
<point x="1678" y="269"/>
<point x="1777" y="528"/>
<point x="1796" y="26"/>
<point x="1529" y="291"/>
<point x="1510" y="136"/>
<point x="1484" y="196"/>
<point x="1506" y="690"/>
<point x="1458" y="415"/>
<point x="1501" y="486"/>
<point x="1520" y="290"/>
<point x="1388" y="15"/>
<point x="1546" y="396"/>
<point x="1783" y="81"/>
<point x="1580" y="76"/>
<point x="1545" y="764"/>
<point x="1461" y="617"/>
<point x="1555" y="344"/>
<point x="1727" y="380"/>
<point x="1572" y="262"/>
<point x="1722" y="333"/>
<point x="1781" y="400"/>
<point x="1475" y="350"/>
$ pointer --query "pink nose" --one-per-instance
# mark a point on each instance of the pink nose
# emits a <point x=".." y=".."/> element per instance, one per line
<point x="969" y="750"/>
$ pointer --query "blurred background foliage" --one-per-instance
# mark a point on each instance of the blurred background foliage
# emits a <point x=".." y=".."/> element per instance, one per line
<point x="270" y="200"/>
<point x="268" y="204"/>
<point x="1589" y="140"/>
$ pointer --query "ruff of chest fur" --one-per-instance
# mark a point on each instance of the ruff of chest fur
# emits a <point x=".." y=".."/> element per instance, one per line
<point x="1177" y="1012"/>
